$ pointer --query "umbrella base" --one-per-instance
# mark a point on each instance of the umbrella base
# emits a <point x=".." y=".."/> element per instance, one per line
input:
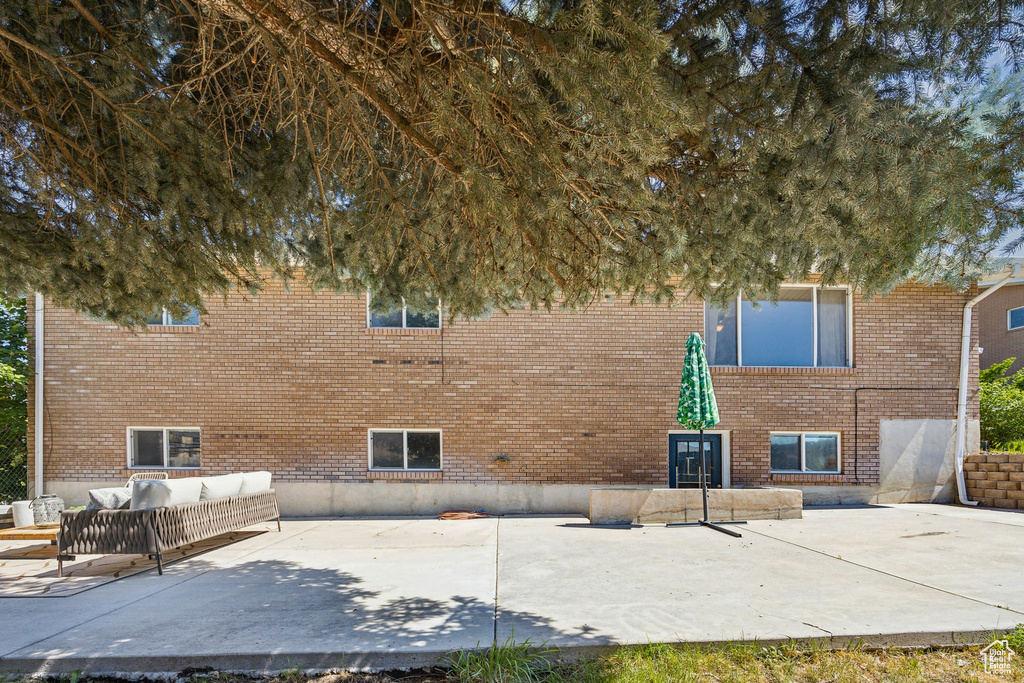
<point x="712" y="525"/>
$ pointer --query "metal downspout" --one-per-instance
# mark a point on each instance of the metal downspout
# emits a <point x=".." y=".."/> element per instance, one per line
<point x="961" y="407"/>
<point x="38" y="385"/>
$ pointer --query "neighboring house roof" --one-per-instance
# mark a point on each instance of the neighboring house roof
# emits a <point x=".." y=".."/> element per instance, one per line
<point x="996" y="277"/>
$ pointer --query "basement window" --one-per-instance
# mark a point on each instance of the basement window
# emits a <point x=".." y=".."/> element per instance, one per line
<point x="164" y="448"/>
<point x="807" y="452"/>
<point x="404" y="449"/>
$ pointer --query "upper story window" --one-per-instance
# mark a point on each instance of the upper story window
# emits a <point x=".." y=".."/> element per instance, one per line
<point x="808" y="327"/>
<point x="165" y="317"/>
<point x="405" y="317"/>
<point x="1015" y="318"/>
<point x="163" y="447"/>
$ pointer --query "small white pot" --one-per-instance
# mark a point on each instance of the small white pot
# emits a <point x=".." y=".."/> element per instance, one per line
<point x="23" y="513"/>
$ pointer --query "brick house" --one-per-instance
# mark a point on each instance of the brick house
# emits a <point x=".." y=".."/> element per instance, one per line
<point x="357" y="413"/>
<point x="1001" y="322"/>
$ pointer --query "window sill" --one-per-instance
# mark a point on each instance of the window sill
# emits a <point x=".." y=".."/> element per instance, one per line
<point x="808" y="477"/>
<point x="172" y="329"/>
<point x="404" y="475"/>
<point x="778" y="370"/>
<point x="403" y="331"/>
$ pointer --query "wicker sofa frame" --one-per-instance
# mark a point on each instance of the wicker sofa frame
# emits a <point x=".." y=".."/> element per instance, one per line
<point x="152" y="532"/>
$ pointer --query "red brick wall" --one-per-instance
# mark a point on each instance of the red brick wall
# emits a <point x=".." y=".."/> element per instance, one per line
<point x="290" y="381"/>
<point x="998" y="342"/>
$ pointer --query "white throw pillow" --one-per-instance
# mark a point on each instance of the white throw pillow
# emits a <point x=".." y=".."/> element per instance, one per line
<point x="157" y="493"/>
<point x="254" y="482"/>
<point x="116" y="498"/>
<point x="220" y="487"/>
<point x="148" y="494"/>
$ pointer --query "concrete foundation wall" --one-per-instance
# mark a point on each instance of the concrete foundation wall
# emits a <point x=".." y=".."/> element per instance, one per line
<point x="340" y="499"/>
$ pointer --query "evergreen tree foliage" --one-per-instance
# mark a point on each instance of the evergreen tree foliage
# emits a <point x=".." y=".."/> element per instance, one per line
<point x="492" y="153"/>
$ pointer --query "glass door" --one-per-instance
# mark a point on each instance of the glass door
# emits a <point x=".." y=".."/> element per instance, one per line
<point x="683" y="466"/>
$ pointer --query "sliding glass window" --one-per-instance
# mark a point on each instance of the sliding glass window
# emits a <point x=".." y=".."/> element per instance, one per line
<point x="808" y="326"/>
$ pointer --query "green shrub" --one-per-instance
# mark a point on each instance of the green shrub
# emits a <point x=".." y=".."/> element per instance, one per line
<point x="1002" y="404"/>
<point x="1015" y="639"/>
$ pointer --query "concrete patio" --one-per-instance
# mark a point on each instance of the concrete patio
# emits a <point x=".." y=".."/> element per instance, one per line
<point x="392" y="593"/>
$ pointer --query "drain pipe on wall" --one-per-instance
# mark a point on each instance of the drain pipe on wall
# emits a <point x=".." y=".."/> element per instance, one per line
<point x="38" y="384"/>
<point x="961" y="403"/>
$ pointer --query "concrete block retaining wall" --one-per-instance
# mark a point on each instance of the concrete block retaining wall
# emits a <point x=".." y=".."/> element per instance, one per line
<point x="653" y="506"/>
<point x="996" y="479"/>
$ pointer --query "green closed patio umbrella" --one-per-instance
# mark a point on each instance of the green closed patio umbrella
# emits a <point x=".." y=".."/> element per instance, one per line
<point x="698" y="410"/>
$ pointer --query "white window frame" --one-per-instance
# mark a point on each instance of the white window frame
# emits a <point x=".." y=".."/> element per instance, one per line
<point x="803" y="452"/>
<point x="167" y="445"/>
<point x="167" y="319"/>
<point x="405" y="449"/>
<point x="371" y="326"/>
<point x="738" y="304"/>
<point x="1009" y="325"/>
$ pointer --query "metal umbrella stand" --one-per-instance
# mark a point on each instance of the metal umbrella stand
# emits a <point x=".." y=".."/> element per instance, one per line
<point x="699" y="410"/>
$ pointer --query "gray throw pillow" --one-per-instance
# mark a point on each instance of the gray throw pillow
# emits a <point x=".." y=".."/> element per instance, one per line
<point x="116" y="498"/>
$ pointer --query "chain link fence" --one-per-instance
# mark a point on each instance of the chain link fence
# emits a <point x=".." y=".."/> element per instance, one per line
<point x="13" y="464"/>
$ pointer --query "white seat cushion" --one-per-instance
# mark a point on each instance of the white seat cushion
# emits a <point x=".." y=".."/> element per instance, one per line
<point x="221" y="487"/>
<point x="254" y="482"/>
<point x="155" y="493"/>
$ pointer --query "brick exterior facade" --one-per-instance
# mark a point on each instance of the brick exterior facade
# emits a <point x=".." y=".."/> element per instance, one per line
<point x="291" y="380"/>
<point x="996" y="479"/>
<point x="998" y="342"/>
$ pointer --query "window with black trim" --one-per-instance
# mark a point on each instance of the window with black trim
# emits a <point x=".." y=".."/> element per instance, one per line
<point x="405" y="449"/>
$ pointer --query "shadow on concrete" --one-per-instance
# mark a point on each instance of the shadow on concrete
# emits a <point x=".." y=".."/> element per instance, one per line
<point x="277" y="614"/>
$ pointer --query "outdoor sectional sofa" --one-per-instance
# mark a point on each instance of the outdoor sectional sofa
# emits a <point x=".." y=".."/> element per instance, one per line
<point x="156" y="530"/>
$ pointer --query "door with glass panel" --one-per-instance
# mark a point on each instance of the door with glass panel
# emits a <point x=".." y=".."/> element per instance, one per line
<point x="683" y="465"/>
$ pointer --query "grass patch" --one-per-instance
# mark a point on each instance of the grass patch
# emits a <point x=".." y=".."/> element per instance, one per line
<point x="739" y="663"/>
<point x="1007" y="447"/>
<point x="509" y="662"/>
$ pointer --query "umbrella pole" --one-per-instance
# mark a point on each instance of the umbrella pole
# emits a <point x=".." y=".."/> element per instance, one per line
<point x="704" y="492"/>
<point x="703" y="476"/>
